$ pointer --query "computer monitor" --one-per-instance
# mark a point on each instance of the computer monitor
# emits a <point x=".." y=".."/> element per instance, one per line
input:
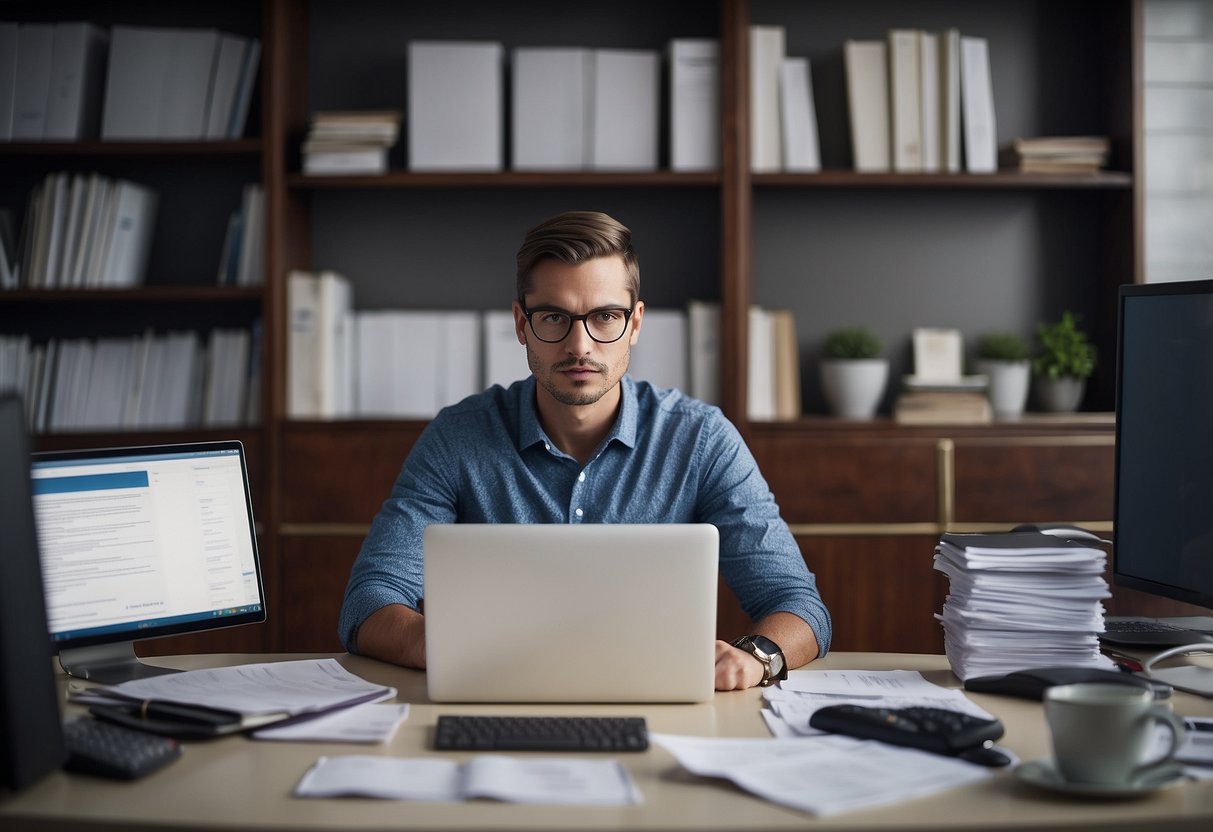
<point x="143" y="542"/>
<point x="1164" y="441"/>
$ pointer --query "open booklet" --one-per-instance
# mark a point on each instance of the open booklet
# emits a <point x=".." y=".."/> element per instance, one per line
<point x="550" y="780"/>
<point x="225" y="700"/>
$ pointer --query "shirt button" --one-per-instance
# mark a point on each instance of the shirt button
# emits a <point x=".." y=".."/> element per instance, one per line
<point x="581" y="477"/>
<point x="579" y="512"/>
<point x="546" y="446"/>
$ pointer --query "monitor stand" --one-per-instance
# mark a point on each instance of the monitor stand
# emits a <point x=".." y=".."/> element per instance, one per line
<point x="108" y="663"/>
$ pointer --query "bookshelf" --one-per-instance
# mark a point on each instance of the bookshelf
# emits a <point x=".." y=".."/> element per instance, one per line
<point x="864" y="499"/>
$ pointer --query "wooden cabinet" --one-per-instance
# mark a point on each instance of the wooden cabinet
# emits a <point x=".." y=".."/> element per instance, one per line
<point x="893" y="251"/>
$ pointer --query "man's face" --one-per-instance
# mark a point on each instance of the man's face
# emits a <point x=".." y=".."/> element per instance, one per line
<point x="578" y="370"/>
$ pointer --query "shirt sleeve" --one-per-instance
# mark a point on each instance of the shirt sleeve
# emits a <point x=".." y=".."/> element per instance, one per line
<point x="759" y="558"/>
<point x="389" y="567"/>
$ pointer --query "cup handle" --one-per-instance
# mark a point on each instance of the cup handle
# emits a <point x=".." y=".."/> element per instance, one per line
<point x="1178" y="733"/>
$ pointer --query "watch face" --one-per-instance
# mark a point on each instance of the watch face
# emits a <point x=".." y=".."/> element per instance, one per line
<point x="765" y="645"/>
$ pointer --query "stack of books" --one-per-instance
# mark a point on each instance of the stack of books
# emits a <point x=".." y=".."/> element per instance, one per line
<point x="350" y="142"/>
<point x="1056" y="154"/>
<point x="1021" y="600"/>
<point x="939" y="393"/>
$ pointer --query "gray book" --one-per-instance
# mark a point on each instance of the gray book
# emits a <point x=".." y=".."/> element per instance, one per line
<point x="78" y="56"/>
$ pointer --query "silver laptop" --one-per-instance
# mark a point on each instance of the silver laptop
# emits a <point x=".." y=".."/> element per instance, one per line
<point x="559" y="613"/>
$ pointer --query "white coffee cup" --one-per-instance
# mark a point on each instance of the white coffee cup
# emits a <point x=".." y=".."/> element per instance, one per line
<point x="1103" y="732"/>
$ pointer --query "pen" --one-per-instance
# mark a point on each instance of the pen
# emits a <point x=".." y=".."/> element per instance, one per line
<point x="1126" y="663"/>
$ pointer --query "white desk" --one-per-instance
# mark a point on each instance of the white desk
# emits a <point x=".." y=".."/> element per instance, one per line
<point x="236" y="783"/>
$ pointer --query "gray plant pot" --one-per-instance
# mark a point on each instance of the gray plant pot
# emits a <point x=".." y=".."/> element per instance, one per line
<point x="1060" y="395"/>
<point x="1009" y="383"/>
<point x="853" y="387"/>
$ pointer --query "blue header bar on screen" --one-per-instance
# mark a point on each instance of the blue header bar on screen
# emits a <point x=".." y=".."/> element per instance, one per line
<point x="90" y="482"/>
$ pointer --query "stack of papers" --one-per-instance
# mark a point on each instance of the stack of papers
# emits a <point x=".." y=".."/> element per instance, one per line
<point x="350" y="142"/>
<point x="1021" y="600"/>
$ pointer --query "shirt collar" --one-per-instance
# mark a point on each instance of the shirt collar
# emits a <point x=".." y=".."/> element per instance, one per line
<point x="530" y="432"/>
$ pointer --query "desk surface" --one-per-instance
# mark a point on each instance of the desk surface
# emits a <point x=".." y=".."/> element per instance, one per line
<point x="236" y="783"/>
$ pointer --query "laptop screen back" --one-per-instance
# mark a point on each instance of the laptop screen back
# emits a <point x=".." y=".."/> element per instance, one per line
<point x="571" y="613"/>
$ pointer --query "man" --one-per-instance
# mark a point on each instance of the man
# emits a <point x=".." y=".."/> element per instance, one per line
<point x="580" y="442"/>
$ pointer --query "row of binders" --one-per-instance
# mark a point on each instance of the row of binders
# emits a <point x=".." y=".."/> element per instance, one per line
<point x="1021" y="600"/>
<point x="76" y="81"/>
<point x="81" y="231"/>
<point x="167" y="380"/>
<point x="344" y="363"/>
<point x="570" y="108"/>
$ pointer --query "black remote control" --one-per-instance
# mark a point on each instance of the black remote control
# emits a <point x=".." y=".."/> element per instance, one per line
<point x="931" y="729"/>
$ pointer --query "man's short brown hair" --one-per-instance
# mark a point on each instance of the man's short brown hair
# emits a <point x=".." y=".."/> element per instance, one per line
<point x="575" y="237"/>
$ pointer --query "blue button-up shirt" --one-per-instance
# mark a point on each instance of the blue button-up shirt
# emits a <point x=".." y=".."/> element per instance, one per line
<point x="668" y="459"/>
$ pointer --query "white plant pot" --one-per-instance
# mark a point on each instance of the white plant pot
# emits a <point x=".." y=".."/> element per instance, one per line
<point x="1009" y="383"/>
<point x="853" y="386"/>
<point x="1060" y="395"/>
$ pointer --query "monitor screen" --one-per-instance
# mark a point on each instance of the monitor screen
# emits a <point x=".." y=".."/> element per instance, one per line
<point x="1164" y="441"/>
<point x="140" y="543"/>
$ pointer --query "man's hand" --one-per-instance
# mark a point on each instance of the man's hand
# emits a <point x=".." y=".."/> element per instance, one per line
<point x="735" y="668"/>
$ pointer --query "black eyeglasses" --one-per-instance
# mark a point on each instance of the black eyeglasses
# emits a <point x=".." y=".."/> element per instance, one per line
<point x="551" y="325"/>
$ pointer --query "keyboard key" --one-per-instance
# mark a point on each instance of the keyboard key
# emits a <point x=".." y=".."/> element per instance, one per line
<point x="109" y="750"/>
<point x="540" y="733"/>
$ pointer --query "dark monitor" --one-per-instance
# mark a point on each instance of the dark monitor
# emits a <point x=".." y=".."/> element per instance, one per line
<point x="140" y="543"/>
<point x="31" y="741"/>
<point x="1164" y="441"/>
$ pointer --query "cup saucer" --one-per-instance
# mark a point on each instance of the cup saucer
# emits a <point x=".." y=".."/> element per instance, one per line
<point x="1044" y="774"/>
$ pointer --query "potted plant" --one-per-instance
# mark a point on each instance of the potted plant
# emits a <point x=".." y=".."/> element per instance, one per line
<point x="1065" y="361"/>
<point x="853" y="372"/>
<point x="1003" y="358"/>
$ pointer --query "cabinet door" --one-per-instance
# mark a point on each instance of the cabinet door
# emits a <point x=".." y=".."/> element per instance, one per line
<point x="315" y="570"/>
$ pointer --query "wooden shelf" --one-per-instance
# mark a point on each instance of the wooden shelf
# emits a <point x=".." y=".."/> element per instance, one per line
<point x="978" y="181"/>
<point x="154" y="294"/>
<point x="509" y="179"/>
<point x="237" y="147"/>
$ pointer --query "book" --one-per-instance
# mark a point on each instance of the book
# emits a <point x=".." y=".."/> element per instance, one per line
<point x="32" y="85"/>
<point x="504" y="357"/>
<point x="250" y="260"/>
<point x="73" y="110"/>
<point x="703" y="360"/>
<point x="455" y="108"/>
<point x="938" y="354"/>
<point x="767" y="51"/>
<point x="942" y="408"/>
<point x="225" y="84"/>
<point x="319" y="345"/>
<point x="129" y="234"/>
<point x="760" y="373"/>
<point x="187" y="84"/>
<point x="9" y="34"/>
<point x="905" y="100"/>
<point x="136" y="74"/>
<point x="350" y="142"/>
<point x="929" y="100"/>
<point x="550" y="114"/>
<point x="949" y="100"/>
<point x="977" y="106"/>
<point x="660" y="356"/>
<point x="694" y="101"/>
<point x="786" y="364"/>
<point x="244" y="89"/>
<point x="866" y="65"/>
<point x="798" y="117"/>
<point x="625" y="109"/>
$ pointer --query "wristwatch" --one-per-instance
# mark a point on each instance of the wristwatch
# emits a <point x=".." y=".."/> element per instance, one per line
<point x="774" y="666"/>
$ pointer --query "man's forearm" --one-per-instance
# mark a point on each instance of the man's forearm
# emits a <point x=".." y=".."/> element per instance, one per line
<point x="395" y="634"/>
<point x="794" y="637"/>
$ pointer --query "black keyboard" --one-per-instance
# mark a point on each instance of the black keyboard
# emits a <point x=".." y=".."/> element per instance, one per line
<point x="930" y="729"/>
<point x="1140" y="625"/>
<point x="109" y="750"/>
<point x="541" y="733"/>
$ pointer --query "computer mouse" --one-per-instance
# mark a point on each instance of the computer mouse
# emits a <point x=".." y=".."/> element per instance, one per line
<point x="1062" y="530"/>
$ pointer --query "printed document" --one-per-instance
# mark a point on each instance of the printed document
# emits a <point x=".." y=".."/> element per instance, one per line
<point x="552" y="780"/>
<point x="361" y="723"/>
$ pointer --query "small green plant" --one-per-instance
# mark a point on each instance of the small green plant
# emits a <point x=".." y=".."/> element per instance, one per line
<point x="1002" y="346"/>
<point x="851" y="342"/>
<point x="1065" y="349"/>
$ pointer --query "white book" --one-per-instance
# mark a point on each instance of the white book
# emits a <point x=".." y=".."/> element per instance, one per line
<point x="250" y="269"/>
<point x="35" y="47"/>
<point x="397" y="375"/>
<point x="455" y="108"/>
<point x="94" y="197"/>
<point x="949" y="61"/>
<point x="73" y="110"/>
<point x="868" y="104"/>
<point x="8" y="77"/>
<point x="73" y="230"/>
<point x="767" y="51"/>
<point x="319" y="354"/>
<point x="550" y="108"/>
<point x="905" y="91"/>
<point x="187" y="85"/>
<point x="130" y="234"/>
<point x="138" y="67"/>
<point x="977" y="106"/>
<point x="504" y="357"/>
<point x="801" y="152"/>
<point x="929" y="101"/>
<point x="244" y="90"/>
<point x="660" y="355"/>
<point x="107" y="384"/>
<point x="694" y="101"/>
<point x="94" y="274"/>
<point x="225" y="84"/>
<point x="760" y="371"/>
<point x="363" y="160"/>
<point x="56" y="231"/>
<point x="459" y="357"/>
<point x="625" y="110"/>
